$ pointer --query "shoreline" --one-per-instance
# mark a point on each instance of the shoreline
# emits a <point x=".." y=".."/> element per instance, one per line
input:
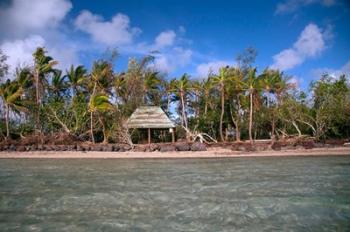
<point x="211" y="153"/>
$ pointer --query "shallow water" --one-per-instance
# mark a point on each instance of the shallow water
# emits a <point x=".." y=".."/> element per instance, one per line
<point x="240" y="194"/>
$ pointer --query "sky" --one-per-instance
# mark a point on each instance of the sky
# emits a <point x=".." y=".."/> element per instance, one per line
<point x="304" y="39"/>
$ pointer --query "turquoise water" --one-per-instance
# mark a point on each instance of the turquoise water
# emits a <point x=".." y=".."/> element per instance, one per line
<point x="241" y="194"/>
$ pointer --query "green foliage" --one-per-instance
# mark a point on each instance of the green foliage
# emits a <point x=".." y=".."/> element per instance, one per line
<point x="236" y="103"/>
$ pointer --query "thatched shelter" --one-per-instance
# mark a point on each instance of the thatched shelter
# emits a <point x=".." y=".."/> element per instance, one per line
<point x="150" y="117"/>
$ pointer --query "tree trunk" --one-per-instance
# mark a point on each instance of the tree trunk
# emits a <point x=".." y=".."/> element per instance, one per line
<point x="273" y="125"/>
<point x="205" y="107"/>
<point x="251" y="117"/>
<point x="105" y="136"/>
<point x="91" y="128"/>
<point x="37" y="96"/>
<point x="7" y="121"/>
<point x="222" y="115"/>
<point x="183" y="111"/>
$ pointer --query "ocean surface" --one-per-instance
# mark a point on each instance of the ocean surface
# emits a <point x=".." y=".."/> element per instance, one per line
<point x="239" y="194"/>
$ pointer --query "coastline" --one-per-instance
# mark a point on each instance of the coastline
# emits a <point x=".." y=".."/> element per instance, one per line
<point x="211" y="153"/>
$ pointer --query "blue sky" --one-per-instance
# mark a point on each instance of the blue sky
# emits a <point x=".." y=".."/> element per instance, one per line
<point x="302" y="38"/>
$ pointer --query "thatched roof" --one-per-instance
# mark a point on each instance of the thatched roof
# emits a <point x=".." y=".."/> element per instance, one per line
<point x="149" y="117"/>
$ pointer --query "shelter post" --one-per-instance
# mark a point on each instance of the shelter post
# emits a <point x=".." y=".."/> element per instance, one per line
<point x="149" y="135"/>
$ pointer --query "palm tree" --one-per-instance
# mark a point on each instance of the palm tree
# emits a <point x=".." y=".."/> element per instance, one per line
<point x="99" y="103"/>
<point x="151" y="83"/>
<point x="268" y="80"/>
<point x="252" y="84"/>
<point x="11" y="93"/>
<point x="220" y="81"/>
<point x="58" y="84"/>
<point x="237" y="83"/>
<point x="102" y="80"/>
<point x="207" y="86"/>
<point x="76" y="77"/>
<point x="181" y="88"/>
<point x="42" y="65"/>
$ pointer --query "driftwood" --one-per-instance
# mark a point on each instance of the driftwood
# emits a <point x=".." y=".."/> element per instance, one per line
<point x="203" y="137"/>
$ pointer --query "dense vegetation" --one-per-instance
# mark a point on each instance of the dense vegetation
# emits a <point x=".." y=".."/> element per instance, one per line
<point x="238" y="103"/>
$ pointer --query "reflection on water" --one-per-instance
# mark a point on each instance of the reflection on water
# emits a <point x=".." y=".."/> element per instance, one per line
<point x="247" y="194"/>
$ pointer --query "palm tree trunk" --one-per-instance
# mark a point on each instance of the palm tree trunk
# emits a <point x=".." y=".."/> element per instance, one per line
<point x="105" y="137"/>
<point x="91" y="128"/>
<point x="37" y="96"/>
<point x="7" y="121"/>
<point x="222" y="115"/>
<point x="251" y="116"/>
<point x="205" y="107"/>
<point x="183" y="110"/>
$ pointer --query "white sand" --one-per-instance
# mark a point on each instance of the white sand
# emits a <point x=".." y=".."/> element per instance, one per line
<point x="212" y="153"/>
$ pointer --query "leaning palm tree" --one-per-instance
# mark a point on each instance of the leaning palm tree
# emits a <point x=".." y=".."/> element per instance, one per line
<point x="101" y="81"/>
<point x="43" y="65"/>
<point x="181" y="88"/>
<point x="220" y="81"/>
<point x="99" y="103"/>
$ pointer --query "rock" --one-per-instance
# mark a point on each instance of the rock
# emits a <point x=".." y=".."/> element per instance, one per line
<point x="12" y="147"/>
<point x="126" y="147"/>
<point x="182" y="147"/>
<point x="140" y="148"/>
<point x="21" y="148"/>
<point x="154" y="147"/>
<point x="108" y="147"/>
<point x="198" y="147"/>
<point x="319" y="145"/>
<point x="115" y="148"/>
<point x="308" y="144"/>
<point x="167" y="148"/>
<point x="80" y="148"/>
<point x="276" y="146"/>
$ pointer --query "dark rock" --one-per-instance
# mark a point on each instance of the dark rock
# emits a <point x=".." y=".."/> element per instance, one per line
<point x="308" y="144"/>
<point x="182" y="147"/>
<point x="276" y="146"/>
<point x="80" y="148"/>
<point x="167" y="148"/>
<point x="21" y="148"/>
<point x="12" y="148"/>
<point x="108" y="147"/>
<point x="198" y="147"/>
<point x="115" y="148"/>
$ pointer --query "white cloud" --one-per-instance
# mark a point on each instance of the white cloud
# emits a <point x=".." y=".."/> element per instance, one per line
<point x="175" y="58"/>
<point x="289" y="6"/>
<point x="114" y="32"/>
<point x="310" y="43"/>
<point x="213" y="67"/>
<point x="20" y="52"/>
<point x="23" y="16"/>
<point x="335" y="73"/>
<point x="164" y="39"/>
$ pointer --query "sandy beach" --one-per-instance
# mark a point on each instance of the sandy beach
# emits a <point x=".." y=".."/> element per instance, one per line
<point x="211" y="153"/>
